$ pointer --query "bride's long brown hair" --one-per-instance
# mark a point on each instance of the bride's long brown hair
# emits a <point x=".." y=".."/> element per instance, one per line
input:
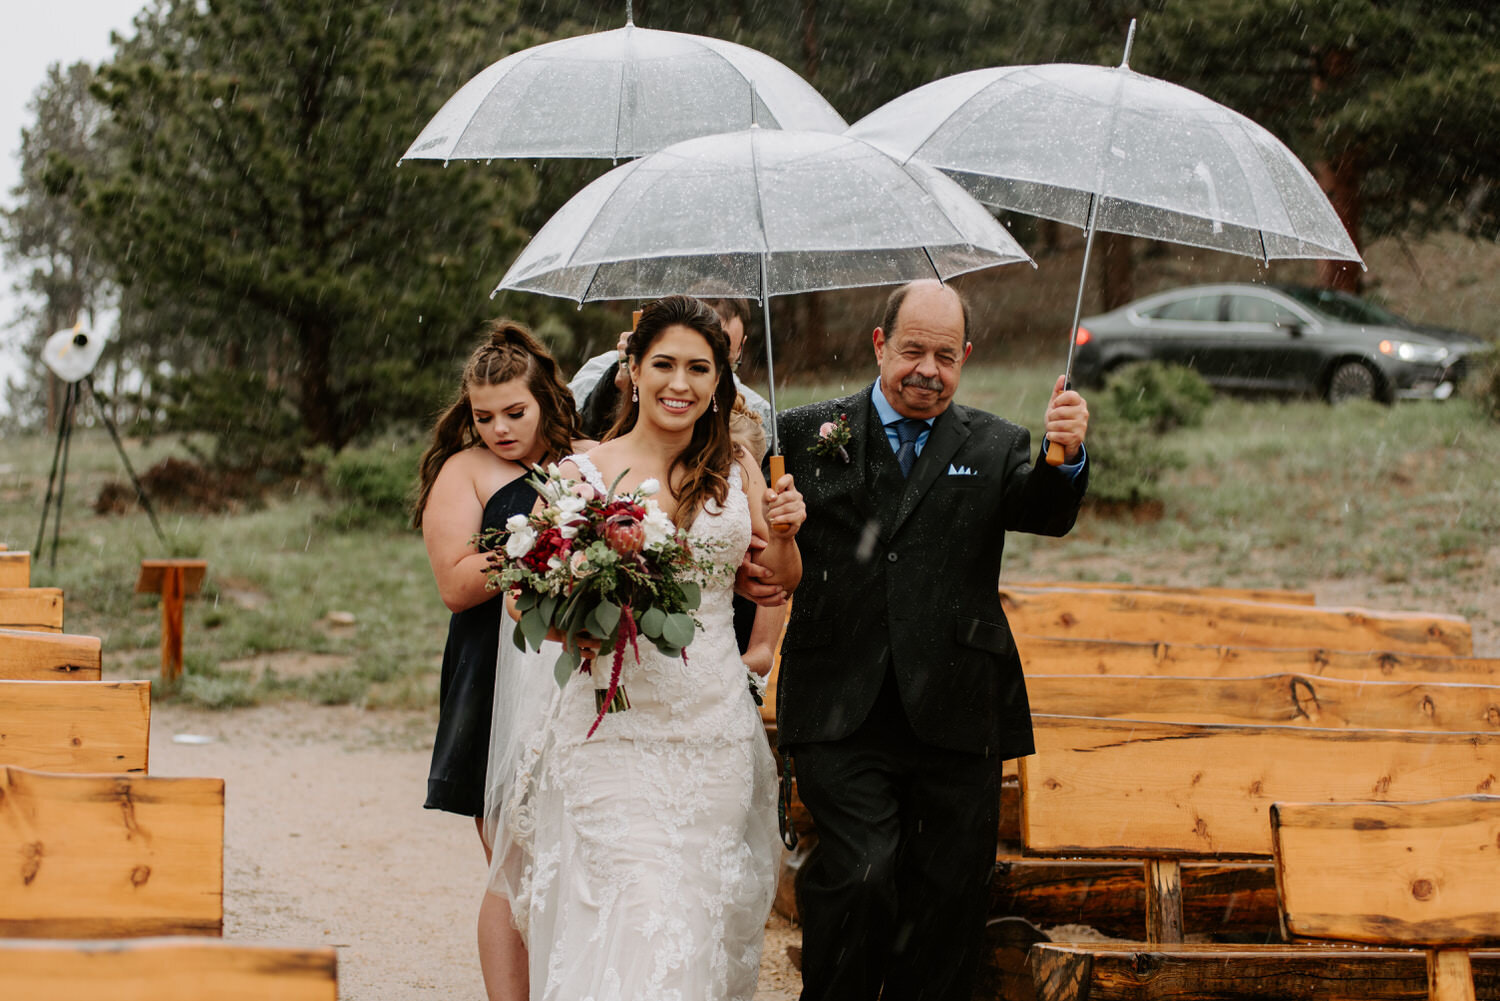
<point x="508" y="351"/>
<point x="705" y="461"/>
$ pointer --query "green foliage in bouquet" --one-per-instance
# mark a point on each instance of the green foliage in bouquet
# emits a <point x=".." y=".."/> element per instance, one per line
<point x="614" y="568"/>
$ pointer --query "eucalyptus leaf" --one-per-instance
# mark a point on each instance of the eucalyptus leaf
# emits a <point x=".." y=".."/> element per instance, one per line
<point x="652" y="621"/>
<point x="547" y="606"/>
<point x="678" y="629"/>
<point x="535" y="628"/>
<point x="567" y="663"/>
<point x="526" y="600"/>
<point x="692" y="594"/>
<point x="606" y="618"/>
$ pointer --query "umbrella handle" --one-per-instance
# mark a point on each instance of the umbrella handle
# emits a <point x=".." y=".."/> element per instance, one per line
<point x="1055" y="454"/>
<point x="778" y="470"/>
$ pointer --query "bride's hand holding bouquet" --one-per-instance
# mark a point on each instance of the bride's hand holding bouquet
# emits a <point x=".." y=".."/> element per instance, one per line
<point x="597" y="573"/>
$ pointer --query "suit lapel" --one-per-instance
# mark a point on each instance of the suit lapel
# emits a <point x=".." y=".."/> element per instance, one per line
<point x="949" y="432"/>
<point x="829" y="475"/>
<point x="861" y="418"/>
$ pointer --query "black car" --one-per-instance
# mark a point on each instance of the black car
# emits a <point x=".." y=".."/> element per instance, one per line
<point x="1279" y="338"/>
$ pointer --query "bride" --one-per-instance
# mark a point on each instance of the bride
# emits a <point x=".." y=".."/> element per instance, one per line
<point x="640" y="863"/>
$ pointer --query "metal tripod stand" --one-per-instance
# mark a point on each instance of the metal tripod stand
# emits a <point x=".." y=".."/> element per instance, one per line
<point x="59" y="474"/>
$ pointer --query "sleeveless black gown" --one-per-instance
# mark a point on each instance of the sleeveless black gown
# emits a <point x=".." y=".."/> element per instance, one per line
<point x="460" y="751"/>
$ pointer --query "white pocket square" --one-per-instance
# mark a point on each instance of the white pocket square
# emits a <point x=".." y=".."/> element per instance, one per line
<point x="962" y="471"/>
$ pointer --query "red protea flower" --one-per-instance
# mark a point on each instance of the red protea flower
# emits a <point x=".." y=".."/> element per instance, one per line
<point x="624" y="533"/>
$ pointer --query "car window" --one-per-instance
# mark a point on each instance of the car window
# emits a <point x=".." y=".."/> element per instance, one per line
<point x="1344" y="307"/>
<point x="1203" y="308"/>
<point x="1258" y="309"/>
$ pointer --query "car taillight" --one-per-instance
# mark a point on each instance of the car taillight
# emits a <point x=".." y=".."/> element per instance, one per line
<point x="1083" y="336"/>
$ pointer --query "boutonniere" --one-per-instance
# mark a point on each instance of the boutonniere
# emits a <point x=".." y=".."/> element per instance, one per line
<point x="832" y="437"/>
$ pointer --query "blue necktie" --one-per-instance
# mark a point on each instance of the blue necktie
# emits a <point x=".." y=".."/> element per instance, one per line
<point x="908" y="429"/>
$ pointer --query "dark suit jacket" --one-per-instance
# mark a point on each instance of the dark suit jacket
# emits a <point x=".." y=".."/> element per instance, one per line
<point x="902" y="575"/>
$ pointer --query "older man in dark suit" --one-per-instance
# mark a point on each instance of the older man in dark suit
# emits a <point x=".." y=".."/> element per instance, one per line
<point x="900" y="690"/>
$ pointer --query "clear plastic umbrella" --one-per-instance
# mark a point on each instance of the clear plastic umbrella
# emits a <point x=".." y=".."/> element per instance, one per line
<point x="759" y="213"/>
<point x="617" y="95"/>
<point x="1108" y="148"/>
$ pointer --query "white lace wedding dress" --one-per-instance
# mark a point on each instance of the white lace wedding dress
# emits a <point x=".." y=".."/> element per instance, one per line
<point x="641" y="862"/>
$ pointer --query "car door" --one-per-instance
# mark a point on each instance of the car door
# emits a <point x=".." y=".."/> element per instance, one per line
<point x="1182" y="330"/>
<point x="1266" y="343"/>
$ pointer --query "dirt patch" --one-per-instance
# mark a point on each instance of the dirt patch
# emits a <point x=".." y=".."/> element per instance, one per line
<point x="241" y="593"/>
<point x="178" y="485"/>
<point x="289" y="664"/>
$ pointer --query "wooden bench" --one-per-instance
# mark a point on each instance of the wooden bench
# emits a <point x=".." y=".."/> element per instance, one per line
<point x="34" y="608"/>
<point x="1423" y="875"/>
<point x="1276" y="595"/>
<point x="1130" y="971"/>
<point x="1218" y="897"/>
<point x="1145" y="617"/>
<point x="165" y="969"/>
<point x="1290" y="699"/>
<point x="33" y="656"/>
<point x="1378" y="874"/>
<point x="110" y="856"/>
<point x="15" y="569"/>
<point x="76" y="726"/>
<point x="1056" y="655"/>
<point x="1167" y="792"/>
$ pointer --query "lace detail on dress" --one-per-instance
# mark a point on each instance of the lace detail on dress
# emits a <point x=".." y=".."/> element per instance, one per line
<point x="590" y="471"/>
<point x="652" y="846"/>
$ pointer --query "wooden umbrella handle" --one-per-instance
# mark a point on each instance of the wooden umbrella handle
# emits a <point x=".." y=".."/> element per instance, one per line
<point x="778" y="470"/>
<point x="1055" y="456"/>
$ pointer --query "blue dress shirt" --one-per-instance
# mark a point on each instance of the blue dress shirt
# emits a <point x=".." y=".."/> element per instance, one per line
<point x="889" y="417"/>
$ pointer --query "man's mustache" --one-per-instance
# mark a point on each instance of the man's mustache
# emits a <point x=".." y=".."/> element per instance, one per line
<point x="922" y="382"/>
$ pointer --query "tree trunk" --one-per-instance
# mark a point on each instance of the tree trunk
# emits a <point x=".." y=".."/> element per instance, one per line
<point x="319" y="403"/>
<point x="1339" y="176"/>
<point x="1339" y="173"/>
<point x="810" y="53"/>
<point x="1116" y="269"/>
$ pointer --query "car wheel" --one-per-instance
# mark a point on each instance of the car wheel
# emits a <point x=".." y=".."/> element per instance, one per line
<point x="1353" y="380"/>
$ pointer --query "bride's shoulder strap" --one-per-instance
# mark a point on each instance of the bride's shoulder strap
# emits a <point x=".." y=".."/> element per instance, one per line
<point x="590" y="472"/>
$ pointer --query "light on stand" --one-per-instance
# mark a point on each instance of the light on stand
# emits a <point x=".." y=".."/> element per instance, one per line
<point x="71" y="355"/>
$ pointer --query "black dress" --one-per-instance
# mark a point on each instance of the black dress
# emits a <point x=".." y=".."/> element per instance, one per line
<point x="461" y="750"/>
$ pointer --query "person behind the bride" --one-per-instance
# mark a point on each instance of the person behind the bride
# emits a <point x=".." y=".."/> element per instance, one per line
<point x="652" y="847"/>
<point x="512" y="411"/>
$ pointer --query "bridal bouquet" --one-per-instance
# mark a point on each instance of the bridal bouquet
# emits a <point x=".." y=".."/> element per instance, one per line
<point x="613" y="567"/>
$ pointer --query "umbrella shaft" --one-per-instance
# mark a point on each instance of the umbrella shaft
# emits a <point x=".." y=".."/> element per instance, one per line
<point x="1083" y="278"/>
<point x="765" y="302"/>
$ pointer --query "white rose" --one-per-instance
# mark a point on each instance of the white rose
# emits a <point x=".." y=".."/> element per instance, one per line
<point x="659" y="528"/>
<point x="516" y="522"/>
<point x="520" y="542"/>
<point x="569" y="508"/>
<point x="649" y="487"/>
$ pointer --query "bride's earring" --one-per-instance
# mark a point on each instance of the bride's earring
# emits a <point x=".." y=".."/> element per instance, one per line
<point x="635" y="395"/>
<point x="716" y="404"/>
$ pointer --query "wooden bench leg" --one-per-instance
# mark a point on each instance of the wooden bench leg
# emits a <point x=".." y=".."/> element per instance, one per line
<point x="1163" y="901"/>
<point x="171" y="624"/>
<point x="1450" y="976"/>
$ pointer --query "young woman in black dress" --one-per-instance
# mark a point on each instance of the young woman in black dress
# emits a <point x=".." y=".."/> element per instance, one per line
<point x="512" y="412"/>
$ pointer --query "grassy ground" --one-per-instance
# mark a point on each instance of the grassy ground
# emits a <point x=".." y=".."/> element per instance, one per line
<point x="1396" y="501"/>
<point x="261" y="629"/>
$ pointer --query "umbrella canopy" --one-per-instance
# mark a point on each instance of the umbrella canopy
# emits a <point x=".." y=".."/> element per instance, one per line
<point x="759" y="213"/>
<point x="1148" y="158"/>
<point x="619" y="94"/>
